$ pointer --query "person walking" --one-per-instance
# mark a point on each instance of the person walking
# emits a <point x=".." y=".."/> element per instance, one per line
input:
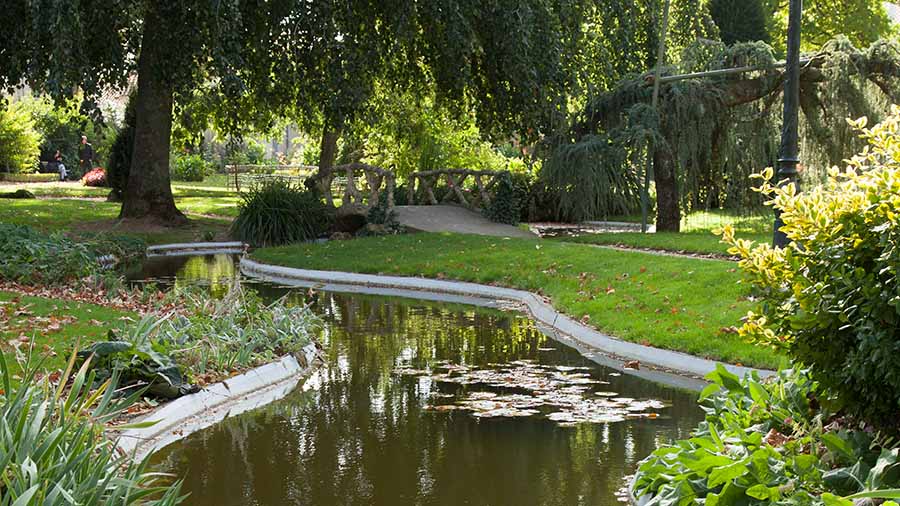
<point x="59" y="165"/>
<point x="86" y="155"/>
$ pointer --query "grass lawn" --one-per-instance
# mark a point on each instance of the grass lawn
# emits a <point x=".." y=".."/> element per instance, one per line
<point x="688" y="242"/>
<point x="677" y="303"/>
<point x="696" y="237"/>
<point x="207" y="198"/>
<point x="91" y="216"/>
<point x="55" y="325"/>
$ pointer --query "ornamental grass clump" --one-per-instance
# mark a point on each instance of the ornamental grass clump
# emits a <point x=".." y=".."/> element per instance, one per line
<point x="831" y="300"/>
<point x="52" y="448"/>
<point x="278" y="212"/>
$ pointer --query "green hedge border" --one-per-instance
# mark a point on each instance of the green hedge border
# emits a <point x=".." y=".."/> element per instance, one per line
<point x="28" y="178"/>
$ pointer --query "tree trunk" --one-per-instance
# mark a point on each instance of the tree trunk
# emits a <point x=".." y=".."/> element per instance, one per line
<point x="668" y="214"/>
<point x="149" y="190"/>
<point x="327" y="156"/>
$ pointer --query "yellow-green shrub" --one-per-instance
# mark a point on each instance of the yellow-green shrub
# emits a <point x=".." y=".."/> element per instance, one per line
<point x="831" y="299"/>
<point x="19" y="142"/>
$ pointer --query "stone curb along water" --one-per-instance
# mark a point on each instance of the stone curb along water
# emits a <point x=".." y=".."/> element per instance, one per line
<point x="196" y="248"/>
<point x="539" y="309"/>
<point x="194" y="412"/>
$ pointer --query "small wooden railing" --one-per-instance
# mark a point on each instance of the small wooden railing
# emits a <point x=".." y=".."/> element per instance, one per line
<point x="358" y="185"/>
<point x="423" y="185"/>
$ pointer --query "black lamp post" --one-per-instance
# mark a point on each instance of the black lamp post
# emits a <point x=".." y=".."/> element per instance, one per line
<point x="788" y="154"/>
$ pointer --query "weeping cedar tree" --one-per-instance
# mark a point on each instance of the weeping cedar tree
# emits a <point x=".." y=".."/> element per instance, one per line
<point x="59" y="46"/>
<point x="709" y="135"/>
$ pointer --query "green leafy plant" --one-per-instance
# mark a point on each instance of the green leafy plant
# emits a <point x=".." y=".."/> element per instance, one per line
<point x="506" y="204"/>
<point x="279" y="212"/>
<point x="30" y="256"/>
<point x="52" y="449"/>
<point x="767" y="443"/>
<point x="209" y="339"/>
<point x="831" y="298"/>
<point x="189" y="168"/>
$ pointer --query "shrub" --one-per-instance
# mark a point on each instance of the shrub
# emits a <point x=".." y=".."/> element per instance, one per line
<point x="505" y="206"/>
<point x="831" y="299"/>
<point x="120" y="154"/>
<point x="191" y="168"/>
<point x="96" y="177"/>
<point x="53" y="447"/>
<point x="19" y="142"/>
<point x="278" y="212"/>
<point x="30" y="256"/>
<point x="28" y="178"/>
<point x="764" y="443"/>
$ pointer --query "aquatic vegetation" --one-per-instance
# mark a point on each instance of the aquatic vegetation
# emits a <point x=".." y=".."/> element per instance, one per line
<point x="562" y="394"/>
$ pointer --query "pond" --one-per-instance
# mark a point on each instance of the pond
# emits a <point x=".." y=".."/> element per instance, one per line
<point x="381" y="424"/>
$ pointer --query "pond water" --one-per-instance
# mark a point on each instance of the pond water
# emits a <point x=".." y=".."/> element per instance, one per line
<point x="367" y="428"/>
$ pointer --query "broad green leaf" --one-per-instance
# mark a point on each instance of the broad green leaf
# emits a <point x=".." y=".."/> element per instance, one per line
<point x="724" y="474"/>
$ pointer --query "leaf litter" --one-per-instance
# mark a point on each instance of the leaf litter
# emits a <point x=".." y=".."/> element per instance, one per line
<point x="523" y="388"/>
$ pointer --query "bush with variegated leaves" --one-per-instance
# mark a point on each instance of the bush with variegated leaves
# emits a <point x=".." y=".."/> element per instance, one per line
<point x="831" y="299"/>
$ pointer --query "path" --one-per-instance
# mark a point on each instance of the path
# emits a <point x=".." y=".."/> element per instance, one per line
<point x="454" y="219"/>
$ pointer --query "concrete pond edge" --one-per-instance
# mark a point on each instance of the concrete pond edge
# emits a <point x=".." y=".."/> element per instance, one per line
<point x="196" y="248"/>
<point x="212" y="404"/>
<point x="539" y="309"/>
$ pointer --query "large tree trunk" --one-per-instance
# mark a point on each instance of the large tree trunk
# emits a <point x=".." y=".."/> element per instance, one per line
<point x="149" y="190"/>
<point x="327" y="156"/>
<point x="668" y="214"/>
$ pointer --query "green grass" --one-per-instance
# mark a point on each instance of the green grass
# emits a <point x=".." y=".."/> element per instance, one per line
<point x="682" y="304"/>
<point x="45" y="321"/>
<point x="696" y="236"/>
<point x="77" y="216"/>
<point x="216" y="206"/>
<point x="690" y="242"/>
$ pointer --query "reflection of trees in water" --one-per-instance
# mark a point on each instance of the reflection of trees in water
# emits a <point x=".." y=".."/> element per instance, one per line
<point x="362" y="438"/>
<point x="215" y="271"/>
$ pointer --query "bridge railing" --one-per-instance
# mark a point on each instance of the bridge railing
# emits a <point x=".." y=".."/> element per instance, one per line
<point x="424" y="187"/>
<point x="358" y="185"/>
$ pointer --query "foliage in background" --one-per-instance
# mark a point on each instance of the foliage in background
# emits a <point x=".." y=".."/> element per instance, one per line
<point x="19" y="141"/>
<point x="830" y="299"/>
<point x="61" y="126"/>
<point x="54" y="451"/>
<point x="506" y="204"/>
<point x="279" y="212"/>
<point x="249" y="152"/>
<point x="767" y="443"/>
<point x="862" y="21"/>
<point x="741" y="20"/>
<point x="208" y="340"/>
<point x="189" y="167"/>
<point x="119" y="164"/>
<point x="411" y="134"/>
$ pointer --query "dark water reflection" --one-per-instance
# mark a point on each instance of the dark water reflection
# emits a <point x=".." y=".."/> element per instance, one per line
<point x="356" y="434"/>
